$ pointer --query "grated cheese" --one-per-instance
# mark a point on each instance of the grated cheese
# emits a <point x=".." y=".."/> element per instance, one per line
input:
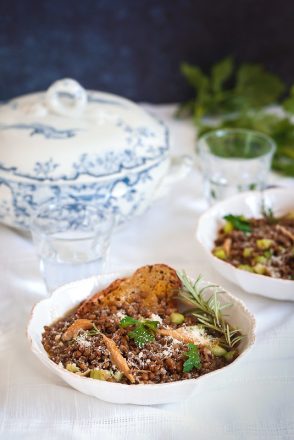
<point x="155" y="317"/>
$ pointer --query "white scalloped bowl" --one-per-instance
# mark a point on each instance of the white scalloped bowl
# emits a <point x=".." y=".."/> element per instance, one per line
<point x="70" y="295"/>
<point x="249" y="204"/>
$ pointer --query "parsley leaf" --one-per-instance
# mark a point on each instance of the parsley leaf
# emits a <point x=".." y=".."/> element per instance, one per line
<point x="127" y="320"/>
<point x="193" y="360"/>
<point x="143" y="332"/>
<point x="239" y="222"/>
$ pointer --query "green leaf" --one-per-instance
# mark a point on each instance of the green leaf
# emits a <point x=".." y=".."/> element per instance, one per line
<point x="141" y="335"/>
<point x="257" y="87"/>
<point x="239" y="222"/>
<point x="143" y="332"/>
<point x="127" y="321"/>
<point x="221" y="72"/>
<point x="195" y="77"/>
<point x="200" y="82"/>
<point x="152" y="325"/>
<point x="193" y="360"/>
<point x="288" y="105"/>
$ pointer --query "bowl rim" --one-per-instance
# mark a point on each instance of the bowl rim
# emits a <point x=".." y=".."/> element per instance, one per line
<point x="233" y="198"/>
<point x="251" y="336"/>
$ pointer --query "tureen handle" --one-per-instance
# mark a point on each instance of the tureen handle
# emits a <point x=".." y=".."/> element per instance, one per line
<point x="66" y="97"/>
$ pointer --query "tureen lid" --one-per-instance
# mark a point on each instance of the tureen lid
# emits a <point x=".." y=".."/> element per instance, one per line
<point x="68" y="132"/>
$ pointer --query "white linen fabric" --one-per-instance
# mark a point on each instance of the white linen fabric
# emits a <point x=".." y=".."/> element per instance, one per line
<point x="254" y="400"/>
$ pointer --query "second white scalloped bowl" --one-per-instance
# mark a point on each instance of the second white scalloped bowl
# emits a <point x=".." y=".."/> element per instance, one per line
<point x="249" y="204"/>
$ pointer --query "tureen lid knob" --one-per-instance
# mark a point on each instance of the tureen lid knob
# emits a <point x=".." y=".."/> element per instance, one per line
<point x="66" y="97"/>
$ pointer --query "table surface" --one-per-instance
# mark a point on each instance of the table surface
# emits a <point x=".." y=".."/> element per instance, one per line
<point x="254" y="400"/>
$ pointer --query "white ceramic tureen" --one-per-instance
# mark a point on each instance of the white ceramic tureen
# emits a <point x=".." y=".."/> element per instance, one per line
<point x="82" y="146"/>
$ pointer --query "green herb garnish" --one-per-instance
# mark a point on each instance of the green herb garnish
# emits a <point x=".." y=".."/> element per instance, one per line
<point x="94" y="331"/>
<point x="193" y="360"/>
<point x="209" y="312"/>
<point x="143" y="332"/>
<point x="127" y="320"/>
<point x="239" y="96"/>
<point x="230" y="89"/>
<point x="239" y="222"/>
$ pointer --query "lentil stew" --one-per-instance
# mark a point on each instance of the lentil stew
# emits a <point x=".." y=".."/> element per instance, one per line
<point x="264" y="246"/>
<point x="135" y="332"/>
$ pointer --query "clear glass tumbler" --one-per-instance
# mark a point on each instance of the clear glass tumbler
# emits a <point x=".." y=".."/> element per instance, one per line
<point x="234" y="160"/>
<point x="72" y="241"/>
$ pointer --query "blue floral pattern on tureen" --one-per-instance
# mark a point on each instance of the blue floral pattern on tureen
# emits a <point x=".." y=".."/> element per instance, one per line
<point x="42" y="129"/>
<point x="142" y="148"/>
<point x="125" y="196"/>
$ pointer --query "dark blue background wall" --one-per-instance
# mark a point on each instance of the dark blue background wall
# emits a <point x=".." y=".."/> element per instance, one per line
<point x="134" y="47"/>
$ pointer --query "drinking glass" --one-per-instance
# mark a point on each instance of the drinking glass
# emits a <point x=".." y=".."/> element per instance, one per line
<point x="72" y="240"/>
<point x="234" y="160"/>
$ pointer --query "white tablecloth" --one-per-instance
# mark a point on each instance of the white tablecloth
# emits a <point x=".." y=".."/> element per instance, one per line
<point x="254" y="400"/>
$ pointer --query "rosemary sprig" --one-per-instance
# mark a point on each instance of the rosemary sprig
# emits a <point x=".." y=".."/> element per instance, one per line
<point x="209" y="312"/>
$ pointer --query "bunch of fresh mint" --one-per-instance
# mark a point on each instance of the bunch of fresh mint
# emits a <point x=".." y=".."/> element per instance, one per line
<point x="240" y="96"/>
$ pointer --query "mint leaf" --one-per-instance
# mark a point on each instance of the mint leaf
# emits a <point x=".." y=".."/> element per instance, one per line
<point x="152" y="325"/>
<point x="288" y="103"/>
<point x="257" y="87"/>
<point x="195" y="77"/>
<point x="221" y="72"/>
<point x="239" y="222"/>
<point x="141" y="335"/>
<point x="143" y="332"/>
<point x="193" y="360"/>
<point x="200" y="82"/>
<point x="127" y="321"/>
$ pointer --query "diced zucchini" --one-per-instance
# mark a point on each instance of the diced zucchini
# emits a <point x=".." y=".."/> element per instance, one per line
<point x="268" y="254"/>
<point x="228" y="227"/>
<point x="260" y="259"/>
<point x="118" y="375"/>
<point x="220" y="253"/>
<point x="218" y="351"/>
<point x="247" y="252"/>
<point x="229" y="356"/>
<point x="245" y="267"/>
<point x="100" y="374"/>
<point x="72" y="367"/>
<point x="177" y="318"/>
<point x="264" y="243"/>
<point x="260" y="269"/>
